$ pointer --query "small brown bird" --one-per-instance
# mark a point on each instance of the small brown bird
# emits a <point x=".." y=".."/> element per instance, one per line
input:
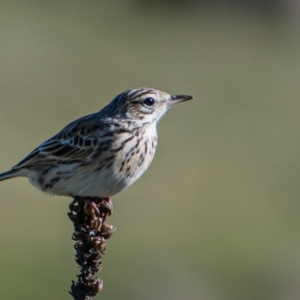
<point x="101" y="154"/>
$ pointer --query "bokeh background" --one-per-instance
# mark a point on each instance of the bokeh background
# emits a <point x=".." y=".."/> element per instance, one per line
<point x="216" y="217"/>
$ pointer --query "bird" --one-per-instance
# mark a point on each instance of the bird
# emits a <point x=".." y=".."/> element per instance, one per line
<point x="100" y="154"/>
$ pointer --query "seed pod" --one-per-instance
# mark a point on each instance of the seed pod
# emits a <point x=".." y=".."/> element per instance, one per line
<point x="107" y="230"/>
<point x="91" y="209"/>
<point x="106" y="206"/>
<point x="94" y="286"/>
<point x="98" y="243"/>
<point x="95" y="223"/>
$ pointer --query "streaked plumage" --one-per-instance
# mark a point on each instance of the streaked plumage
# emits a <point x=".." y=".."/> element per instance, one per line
<point x="101" y="154"/>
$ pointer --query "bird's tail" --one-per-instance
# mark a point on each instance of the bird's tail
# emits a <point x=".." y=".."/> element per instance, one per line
<point x="9" y="174"/>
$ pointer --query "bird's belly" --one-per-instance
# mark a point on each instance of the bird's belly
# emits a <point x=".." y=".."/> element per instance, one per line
<point x="85" y="182"/>
<point x="91" y="184"/>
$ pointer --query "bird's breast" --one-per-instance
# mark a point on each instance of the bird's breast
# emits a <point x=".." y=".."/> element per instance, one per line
<point x="137" y="154"/>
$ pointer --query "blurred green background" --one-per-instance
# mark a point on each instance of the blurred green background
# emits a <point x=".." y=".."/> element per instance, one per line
<point x="216" y="217"/>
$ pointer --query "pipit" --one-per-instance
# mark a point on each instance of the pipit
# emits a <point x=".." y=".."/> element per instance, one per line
<point x="101" y="154"/>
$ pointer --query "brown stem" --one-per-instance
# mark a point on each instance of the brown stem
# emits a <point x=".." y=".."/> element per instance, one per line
<point x="90" y="233"/>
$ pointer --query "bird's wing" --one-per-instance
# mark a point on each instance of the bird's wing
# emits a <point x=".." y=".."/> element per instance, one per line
<point x="73" y="143"/>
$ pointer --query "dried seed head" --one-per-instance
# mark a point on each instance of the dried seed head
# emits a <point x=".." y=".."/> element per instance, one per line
<point x="90" y="234"/>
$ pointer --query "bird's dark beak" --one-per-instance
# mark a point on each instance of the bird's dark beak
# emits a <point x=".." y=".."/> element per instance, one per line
<point x="179" y="98"/>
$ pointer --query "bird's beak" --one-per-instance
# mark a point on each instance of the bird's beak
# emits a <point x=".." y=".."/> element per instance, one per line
<point x="179" y="98"/>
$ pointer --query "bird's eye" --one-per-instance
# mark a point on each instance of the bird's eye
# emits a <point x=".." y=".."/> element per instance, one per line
<point x="149" y="101"/>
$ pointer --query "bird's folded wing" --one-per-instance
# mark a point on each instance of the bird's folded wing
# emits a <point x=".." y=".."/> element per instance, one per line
<point x="74" y="143"/>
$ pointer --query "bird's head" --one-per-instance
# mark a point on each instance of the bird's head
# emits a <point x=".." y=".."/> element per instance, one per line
<point x="145" y="105"/>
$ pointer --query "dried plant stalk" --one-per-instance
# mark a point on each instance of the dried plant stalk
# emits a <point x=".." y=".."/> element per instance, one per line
<point x="90" y="233"/>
